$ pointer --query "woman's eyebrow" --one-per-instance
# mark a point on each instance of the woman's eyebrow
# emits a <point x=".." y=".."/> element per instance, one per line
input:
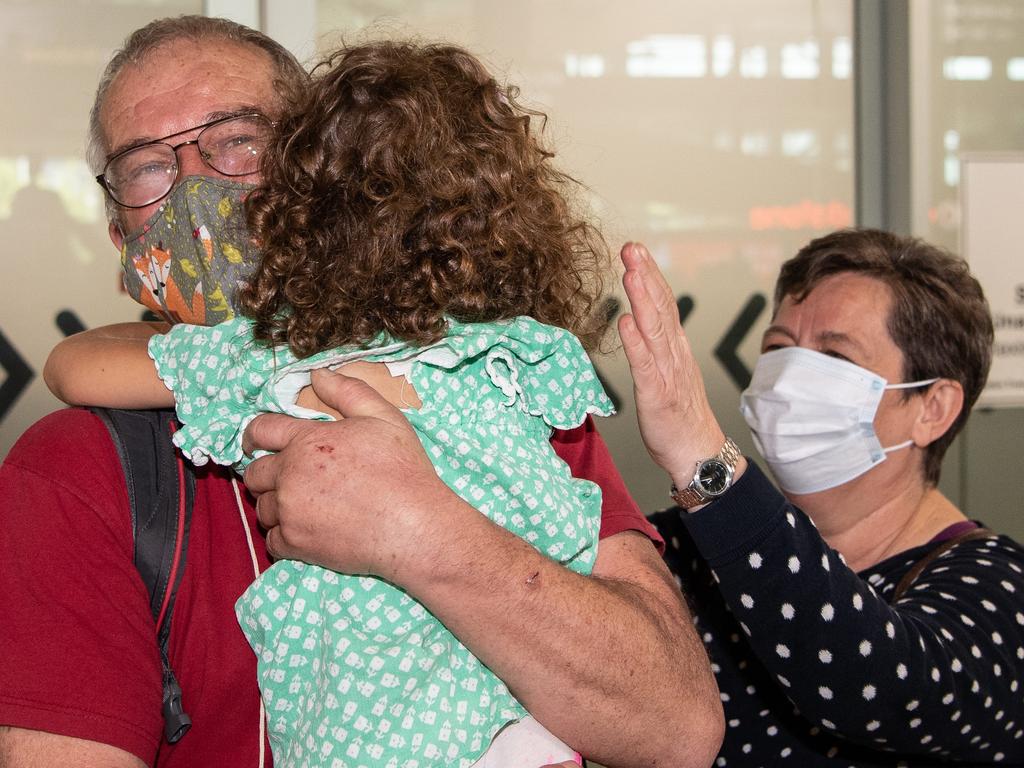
<point x="837" y="337"/>
<point x="780" y="329"/>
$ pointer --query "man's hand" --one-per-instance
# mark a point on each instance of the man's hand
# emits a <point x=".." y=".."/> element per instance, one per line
<point x="676" y="421"/>
<point x="352" y="495"/>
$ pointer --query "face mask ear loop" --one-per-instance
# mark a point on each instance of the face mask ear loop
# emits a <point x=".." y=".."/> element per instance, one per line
<point x="907" y="385"/>
<point x="913" y="384"/>
<point x="898" y="447"/>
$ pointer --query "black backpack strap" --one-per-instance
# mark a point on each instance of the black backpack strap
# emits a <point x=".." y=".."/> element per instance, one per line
<point x="912" y="575"/>
<point x="161" y="494"/>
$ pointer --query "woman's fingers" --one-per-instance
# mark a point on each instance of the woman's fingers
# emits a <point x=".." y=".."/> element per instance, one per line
<point x="653" y="308"/>
<point x="642" y="364"/>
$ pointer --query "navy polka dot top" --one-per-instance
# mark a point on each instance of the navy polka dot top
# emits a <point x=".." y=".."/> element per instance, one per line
<point x="817" y="667"/>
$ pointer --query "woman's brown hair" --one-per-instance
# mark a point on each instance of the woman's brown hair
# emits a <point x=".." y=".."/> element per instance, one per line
<point x="408" y="186"/>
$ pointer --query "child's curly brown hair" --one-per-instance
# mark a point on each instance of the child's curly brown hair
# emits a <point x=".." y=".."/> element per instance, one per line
<point x="407" y="187"/>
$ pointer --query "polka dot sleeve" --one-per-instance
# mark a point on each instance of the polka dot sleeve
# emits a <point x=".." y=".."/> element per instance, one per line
<point x="938" y="673"/>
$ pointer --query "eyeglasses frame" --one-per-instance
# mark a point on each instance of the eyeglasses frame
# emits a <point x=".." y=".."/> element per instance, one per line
<point x="101" y="179"/>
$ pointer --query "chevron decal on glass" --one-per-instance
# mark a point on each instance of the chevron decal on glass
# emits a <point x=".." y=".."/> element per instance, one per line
<point x="19" y="375"/>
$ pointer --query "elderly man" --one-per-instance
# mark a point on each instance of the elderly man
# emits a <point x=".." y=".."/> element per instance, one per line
<point x="609" y="663"/>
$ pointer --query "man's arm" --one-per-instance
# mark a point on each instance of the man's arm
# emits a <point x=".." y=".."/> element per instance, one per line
<point x="609" y="663"/>
<point x="79" y="664"/>
<point x="20" y="748"/>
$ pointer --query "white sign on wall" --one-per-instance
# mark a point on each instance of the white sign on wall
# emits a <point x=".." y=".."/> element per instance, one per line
<point x="992" y="240"/>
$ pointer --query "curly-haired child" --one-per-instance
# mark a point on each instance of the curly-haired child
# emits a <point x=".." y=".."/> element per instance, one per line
<point x="414" y="234"/>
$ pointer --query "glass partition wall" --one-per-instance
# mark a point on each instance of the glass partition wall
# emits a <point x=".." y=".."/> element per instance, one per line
<point x="967" y="101"/>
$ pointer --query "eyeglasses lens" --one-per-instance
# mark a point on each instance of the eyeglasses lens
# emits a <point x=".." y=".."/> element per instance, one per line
<point x="234" y="146"/>
<point x="143" y="175"/>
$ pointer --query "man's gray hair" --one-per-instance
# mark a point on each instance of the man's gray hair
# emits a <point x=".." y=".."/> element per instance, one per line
<point x="289" y="78"/>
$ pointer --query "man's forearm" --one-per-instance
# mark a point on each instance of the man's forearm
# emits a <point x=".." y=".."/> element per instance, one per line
<point x="22" y="748"/>
<point x="610" y="663"/>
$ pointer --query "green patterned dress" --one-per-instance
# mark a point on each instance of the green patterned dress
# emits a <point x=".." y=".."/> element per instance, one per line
<point x="354" y="672"/>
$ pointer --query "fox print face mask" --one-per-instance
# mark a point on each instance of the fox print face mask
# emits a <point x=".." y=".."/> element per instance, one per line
<point x="189" y="258"/>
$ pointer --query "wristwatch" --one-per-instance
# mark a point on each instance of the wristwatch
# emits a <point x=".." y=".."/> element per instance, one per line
<point x="712" y="478"/>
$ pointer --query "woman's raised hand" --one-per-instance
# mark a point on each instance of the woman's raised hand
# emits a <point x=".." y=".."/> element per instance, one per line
<point x="676" y="421"/>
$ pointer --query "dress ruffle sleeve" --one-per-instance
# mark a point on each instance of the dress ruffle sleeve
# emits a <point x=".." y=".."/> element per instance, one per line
<point x="541" y="369"/>
<point x="215" y="373"/>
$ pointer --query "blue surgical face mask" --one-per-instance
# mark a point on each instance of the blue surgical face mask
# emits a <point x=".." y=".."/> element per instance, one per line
<point x="812" y="418"/>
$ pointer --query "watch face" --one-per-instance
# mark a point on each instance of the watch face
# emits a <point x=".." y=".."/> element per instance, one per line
<point x="713" y="476"/>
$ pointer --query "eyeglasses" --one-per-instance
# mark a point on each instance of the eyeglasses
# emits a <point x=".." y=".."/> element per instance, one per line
<point x="141" y="175"/>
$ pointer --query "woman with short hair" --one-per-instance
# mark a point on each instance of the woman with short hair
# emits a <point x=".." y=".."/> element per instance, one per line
<point x="858" y="617"/>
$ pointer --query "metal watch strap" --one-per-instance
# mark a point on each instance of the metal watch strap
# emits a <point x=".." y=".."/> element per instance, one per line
<point x="730" y="453"/>
<point x="692" y="496"/>
<point x="687" y="497"/>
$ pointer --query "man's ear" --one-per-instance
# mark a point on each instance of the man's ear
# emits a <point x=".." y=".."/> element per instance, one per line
<point x="116" y="235"/>
<point x="940" y="406"/>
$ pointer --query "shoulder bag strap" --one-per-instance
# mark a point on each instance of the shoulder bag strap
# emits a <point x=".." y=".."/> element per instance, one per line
<point x="911" y="576"/>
